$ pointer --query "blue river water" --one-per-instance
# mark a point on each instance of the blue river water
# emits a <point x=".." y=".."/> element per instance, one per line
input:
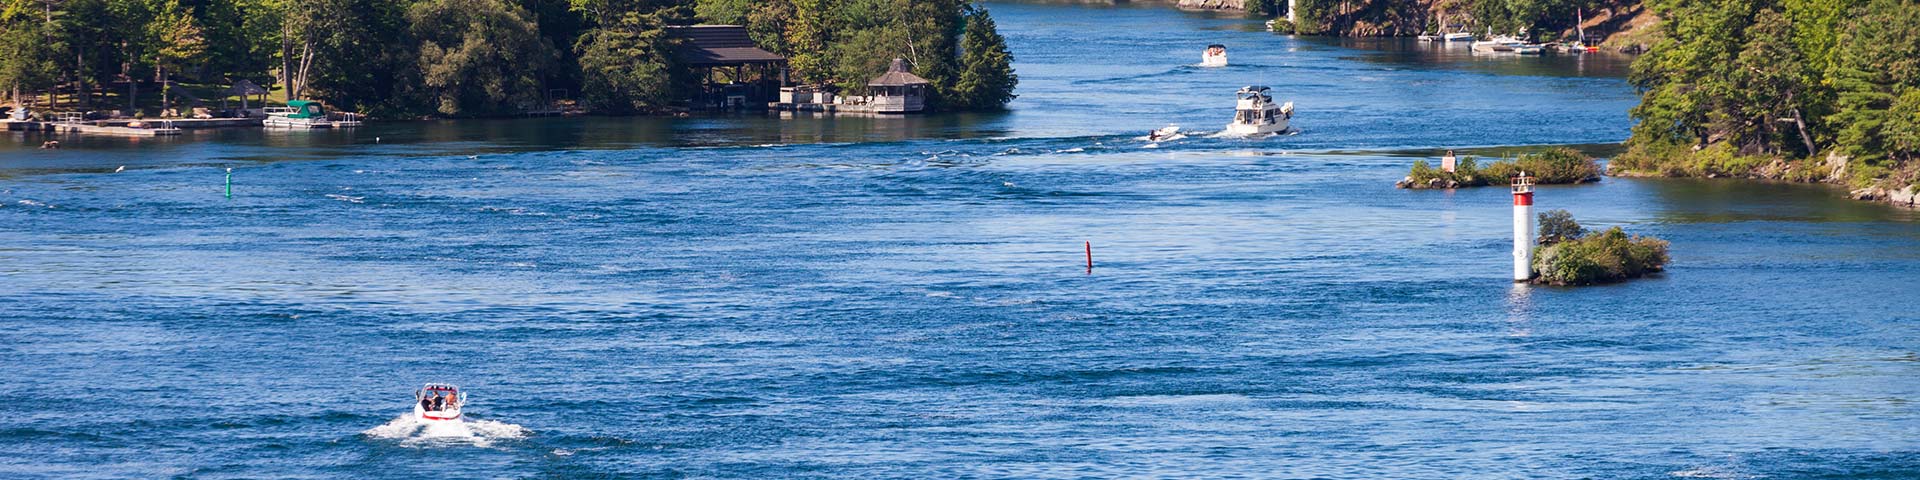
<point x="761" y="297"/>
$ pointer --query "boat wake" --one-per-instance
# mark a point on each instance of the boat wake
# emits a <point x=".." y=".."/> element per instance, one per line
<point x="414" y="432"/>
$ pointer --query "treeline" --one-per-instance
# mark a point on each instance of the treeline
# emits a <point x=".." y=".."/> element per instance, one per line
<point x="1543" y="18"/>
<point x="409" y="58"/>
<point x="1762" y="87"/>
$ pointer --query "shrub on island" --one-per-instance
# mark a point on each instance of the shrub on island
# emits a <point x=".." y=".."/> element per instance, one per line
<point x="1571" y="255"/>
<point x="1557" y="166"/>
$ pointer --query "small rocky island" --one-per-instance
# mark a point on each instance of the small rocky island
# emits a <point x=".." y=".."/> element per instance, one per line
<point x="1557" y="166"/>
<point x="1571" y="255"/>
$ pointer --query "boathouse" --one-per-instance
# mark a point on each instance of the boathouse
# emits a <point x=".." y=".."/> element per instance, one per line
<point x="898" y="90"/>
<point x="733" y="72"/>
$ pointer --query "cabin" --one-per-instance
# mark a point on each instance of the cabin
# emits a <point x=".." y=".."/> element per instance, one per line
<point x="733" y="72"/>
<point x="898" y="90"/>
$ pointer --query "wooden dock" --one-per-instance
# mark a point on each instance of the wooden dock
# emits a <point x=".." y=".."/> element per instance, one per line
<point x="123" y="128"/>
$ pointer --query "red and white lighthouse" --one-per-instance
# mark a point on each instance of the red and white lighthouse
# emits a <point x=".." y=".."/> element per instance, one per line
<point x="1522" y="227"/>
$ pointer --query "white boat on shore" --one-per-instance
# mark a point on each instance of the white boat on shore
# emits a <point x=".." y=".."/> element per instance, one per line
<point x="1215" y="56"/>
<point x="1255" y="113"/>
<point x="438" y="402"/>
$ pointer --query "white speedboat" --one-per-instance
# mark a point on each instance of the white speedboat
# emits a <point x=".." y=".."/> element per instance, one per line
<point x="438" y="402"/>
<point x="1215" y="56"/>
<point x="298" y="114"/>
<point x="1256" y="114"/>
<point x="1458" y="37"/>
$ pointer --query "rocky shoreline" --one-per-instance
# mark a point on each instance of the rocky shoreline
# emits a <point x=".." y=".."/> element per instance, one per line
<point x="1831" y="172"/>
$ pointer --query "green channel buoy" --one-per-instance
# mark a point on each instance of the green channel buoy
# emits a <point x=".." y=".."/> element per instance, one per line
<point x="229" y="182"/>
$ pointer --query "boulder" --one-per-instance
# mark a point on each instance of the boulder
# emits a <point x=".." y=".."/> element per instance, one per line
<point x="1404" y="182"/>
<point x="1904" y="197"/>
<point x="1869" y="193"/>
<point x="1433" y="183"/>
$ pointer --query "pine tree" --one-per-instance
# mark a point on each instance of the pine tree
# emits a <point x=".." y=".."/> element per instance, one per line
<point x="986" y="68"/>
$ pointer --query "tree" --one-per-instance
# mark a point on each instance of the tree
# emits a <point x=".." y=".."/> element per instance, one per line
<point x="986" y="76"/>
<point x="627" y="67"/>
<point x="1876" y="62"/>
<point x="479" y="56"/>
<point x="25" y="62"/>
<point x="177" y="43"/>
<point x="1768" y="80"/>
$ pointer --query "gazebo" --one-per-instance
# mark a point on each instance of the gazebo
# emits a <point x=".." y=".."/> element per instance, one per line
<point x="898" y="90"/>
<point x="244" y="89"/>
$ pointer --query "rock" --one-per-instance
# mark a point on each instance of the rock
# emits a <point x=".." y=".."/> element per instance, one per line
<point x="1433" y="183"/>
<point x="1453" y="184"/>
<point x="1836" y="167"/>
<point x="1904" y="197"/>
<point x="1869" y="193"/>
<point x="1404" y="182"/>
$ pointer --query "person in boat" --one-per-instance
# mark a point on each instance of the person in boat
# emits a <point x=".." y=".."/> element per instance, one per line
<point x="426" y="402"/>
<point x="1153" y="136"/>
<point x="452" y="402"/>
<point x="440" y="402"/>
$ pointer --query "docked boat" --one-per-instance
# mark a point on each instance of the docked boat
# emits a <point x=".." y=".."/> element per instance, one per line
<point x="1529" y="49"/>
<point x="1215" y="56"/>
<point x="1256" y="114"/>
<point x="298" y="114"/>
<point x="438" y="402"/>
<point x="1457" y="37"/>
<point x="1499" y="44"/>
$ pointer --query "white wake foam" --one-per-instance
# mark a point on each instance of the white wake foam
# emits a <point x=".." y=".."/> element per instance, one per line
<point x="415" y="432"/>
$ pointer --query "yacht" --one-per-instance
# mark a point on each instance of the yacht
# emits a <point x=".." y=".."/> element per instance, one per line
<point x="1256" y="114"/>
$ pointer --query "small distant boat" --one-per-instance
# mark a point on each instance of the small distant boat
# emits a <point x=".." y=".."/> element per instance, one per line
<point x="1529" y="49"/>
<point x="1429" y="38"/>
<point x="1256" y="114"/>
<point x="1499" y="44"/>
<point x="298" y="114"/>
<point x="1215" y="56"/>
<point x="1457" y="37"/>
<point x="1166" y="134"/>
<point x="438" y="402"/>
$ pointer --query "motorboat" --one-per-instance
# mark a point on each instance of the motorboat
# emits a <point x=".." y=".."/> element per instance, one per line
<point x="1529" y="49"/>
<point x="1256" y="114"/>
<point x="1499" y="44"/>
<point x="1215" y="56"/>
<point x="1457" y="37"/>
<point x="1166" y="134"/>
<point x="298" y="114"/>
<point x="438" y="402"/>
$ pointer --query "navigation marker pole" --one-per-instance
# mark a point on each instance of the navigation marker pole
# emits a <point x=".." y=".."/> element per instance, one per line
<point x="1089" y="257"/>
<point x="1522" y="227"/>
<point x="229" y="182"/>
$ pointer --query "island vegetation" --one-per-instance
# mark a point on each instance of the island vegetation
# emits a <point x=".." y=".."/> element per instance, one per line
<point x="1560" y="165"/>
<point x="1568" y="254"/>
<point x="453" y="58"/>
<point x="1619" y="21"/>
<point x="1796" y="90"/>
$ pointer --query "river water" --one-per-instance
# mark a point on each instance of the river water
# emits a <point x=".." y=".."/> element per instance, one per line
<point x="758" y="297"/>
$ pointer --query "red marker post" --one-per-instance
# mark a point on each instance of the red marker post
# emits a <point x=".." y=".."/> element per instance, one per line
<point x="1089" y="257"/>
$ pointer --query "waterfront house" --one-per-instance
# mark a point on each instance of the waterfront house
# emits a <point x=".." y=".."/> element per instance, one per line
<point x="733" y="71"/>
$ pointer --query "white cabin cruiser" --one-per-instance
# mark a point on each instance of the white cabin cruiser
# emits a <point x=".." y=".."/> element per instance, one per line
<point x="1458" y="37"/>
<point x="1256" y="114"/>
<point x="438" y="402"/>
<point x="1215" y="56"/>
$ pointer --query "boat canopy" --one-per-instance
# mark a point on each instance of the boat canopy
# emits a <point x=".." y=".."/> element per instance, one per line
<point x="306" y="109"/>
<point x="1219" y="46"/>
<point x="440" y="387"/>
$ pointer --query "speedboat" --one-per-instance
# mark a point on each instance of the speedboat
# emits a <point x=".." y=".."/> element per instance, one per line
<point x="1256" y="114"/>
<point x="1215" y="56"/>
<point x="298" y="114"/>
<point x="1457" y="37"/>
<point x="426" y="406"/>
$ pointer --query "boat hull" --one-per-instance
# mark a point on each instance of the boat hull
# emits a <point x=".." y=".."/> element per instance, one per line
<point x="1247" y="129"/>
<point x="284" y="122"/>
<point x="439" y="416"/>
<point x="1213" y="60"/>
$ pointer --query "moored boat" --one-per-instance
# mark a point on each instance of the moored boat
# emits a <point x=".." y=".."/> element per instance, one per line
<point x="1255" y="113"/>
<point x="298" y="114"/>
